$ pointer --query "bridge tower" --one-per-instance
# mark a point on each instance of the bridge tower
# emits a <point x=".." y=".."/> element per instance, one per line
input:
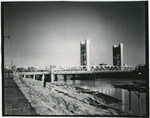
<point x="85" y="54"/>
<point x="118" y="55"/>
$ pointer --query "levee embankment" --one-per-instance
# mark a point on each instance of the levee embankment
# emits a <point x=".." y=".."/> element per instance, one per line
<point x="61" y="99"/>
<point x="14" y="101"/>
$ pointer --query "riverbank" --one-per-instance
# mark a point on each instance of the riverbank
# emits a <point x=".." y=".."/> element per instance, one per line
<point x="61" y="99"/>
<point x="14" y="102"/>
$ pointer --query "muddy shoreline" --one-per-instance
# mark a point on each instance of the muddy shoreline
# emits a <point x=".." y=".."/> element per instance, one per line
<point x="61" y="99"/>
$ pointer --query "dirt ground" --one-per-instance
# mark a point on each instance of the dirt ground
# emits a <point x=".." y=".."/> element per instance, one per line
<point x="61" y="99"/>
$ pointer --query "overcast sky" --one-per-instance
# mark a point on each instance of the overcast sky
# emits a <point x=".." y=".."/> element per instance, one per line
<point x="43" y="34"/>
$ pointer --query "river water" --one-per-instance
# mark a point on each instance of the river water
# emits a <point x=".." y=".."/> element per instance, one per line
<point x="105" y="85"/>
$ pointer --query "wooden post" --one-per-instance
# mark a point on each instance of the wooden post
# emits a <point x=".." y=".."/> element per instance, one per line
<point x="140" y="103"/>
<point x="129" y="102"/>
<point x="147" y="111"/>
<point x="43" y="80"/>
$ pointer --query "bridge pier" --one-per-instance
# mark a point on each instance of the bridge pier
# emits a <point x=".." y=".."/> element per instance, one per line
<point x="52" y="77"/>
<point x="95" y="76"/>
<point x="34" y="76"/>
<point x="65" y="77"/>
<point x="56" y="78"/>
<point x="73" y="76"/>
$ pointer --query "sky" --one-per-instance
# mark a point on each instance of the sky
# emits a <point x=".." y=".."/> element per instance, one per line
<point x="49" y="33"/>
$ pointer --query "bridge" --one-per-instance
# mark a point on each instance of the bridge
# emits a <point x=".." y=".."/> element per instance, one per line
<point x="94" y="69"/>
<point x="86" y="67"/>
<point x="78" y="70"/>
<point x="33" y="74"/>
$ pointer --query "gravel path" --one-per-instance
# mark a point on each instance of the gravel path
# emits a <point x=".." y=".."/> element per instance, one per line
<point x="15" y="103"/>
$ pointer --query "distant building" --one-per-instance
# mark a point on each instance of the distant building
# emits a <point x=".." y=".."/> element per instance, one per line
<point x="85" y="54"/>
<point x="118" y="55"/>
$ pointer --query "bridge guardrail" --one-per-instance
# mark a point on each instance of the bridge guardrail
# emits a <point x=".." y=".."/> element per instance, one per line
<point x="83" y="69"/>
<point x="93" y="68"/>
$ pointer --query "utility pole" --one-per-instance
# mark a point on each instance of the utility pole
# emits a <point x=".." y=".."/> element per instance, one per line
<point x="6" y="38"/>
<point x="11" y="64"/>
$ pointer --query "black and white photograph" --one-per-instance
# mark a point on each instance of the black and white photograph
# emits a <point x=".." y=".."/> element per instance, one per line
<point x="75" y="58"/>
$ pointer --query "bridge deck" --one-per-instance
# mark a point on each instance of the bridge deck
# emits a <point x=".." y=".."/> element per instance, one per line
<point x="88" y="72"/>
<point x="31" y="73"/>
<point x="75" y="72"/>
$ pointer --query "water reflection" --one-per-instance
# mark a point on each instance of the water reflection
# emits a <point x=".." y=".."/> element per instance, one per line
<point x="105" y="85"/>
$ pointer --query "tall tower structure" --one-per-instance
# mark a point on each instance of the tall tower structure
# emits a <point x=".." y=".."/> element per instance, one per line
<point x="118" y="55"/>
<point x="85" y="54"/>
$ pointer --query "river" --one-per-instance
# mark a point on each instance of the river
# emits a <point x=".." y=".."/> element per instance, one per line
<point x="105" y="85"/>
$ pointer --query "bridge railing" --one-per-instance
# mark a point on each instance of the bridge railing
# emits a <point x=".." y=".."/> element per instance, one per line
<point x="31" y="73"/>
<point x="69" y="68"/>
<point x="129" y="68"/>
<point x="105" y="68"/>
<point x="93" y="68"/>
<point x="112" y="68"/>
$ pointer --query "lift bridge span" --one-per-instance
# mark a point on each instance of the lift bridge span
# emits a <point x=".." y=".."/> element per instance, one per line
<point x="79" y="70"/>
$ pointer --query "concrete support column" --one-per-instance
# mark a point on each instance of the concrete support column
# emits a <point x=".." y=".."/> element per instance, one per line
<point x="43" y="77"/>
<point x="34" y="76"/>
<point x="56" y="78"/>
<point x="73" y="76"/>
<point x="65" y="77"/>
<point x="95" y="76"/>
<point x="52" y="77"/>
